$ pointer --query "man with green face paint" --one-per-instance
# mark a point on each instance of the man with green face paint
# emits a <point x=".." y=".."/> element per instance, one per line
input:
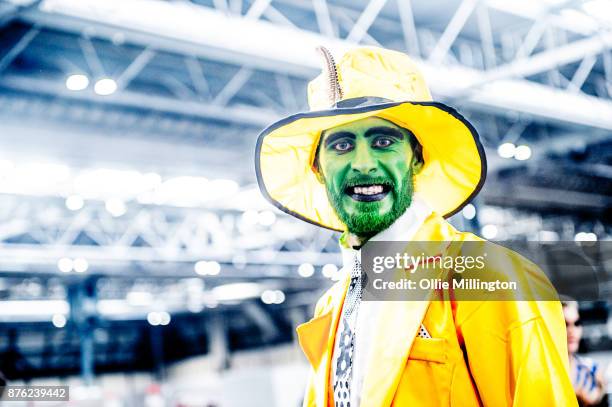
<point x="368" y="168"/>
<point x="378" y="160"/>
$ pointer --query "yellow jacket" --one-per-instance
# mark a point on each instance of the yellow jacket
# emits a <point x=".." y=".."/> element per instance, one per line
<point x="492" y="353"/>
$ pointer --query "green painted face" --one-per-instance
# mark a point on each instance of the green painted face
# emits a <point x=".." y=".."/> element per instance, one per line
<point x="368" y="167"/>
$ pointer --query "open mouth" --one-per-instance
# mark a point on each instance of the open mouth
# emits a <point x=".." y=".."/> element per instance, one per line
<point x="368" y="193"/>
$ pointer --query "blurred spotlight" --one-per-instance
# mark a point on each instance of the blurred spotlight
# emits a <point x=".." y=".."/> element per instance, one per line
<point x="40" y="174"/>
<point x="249" y="217"/>
<point x="74" y="202"/>
<point x="65" y="265"/>
<point x="489" y="231"/>
<point x="599" y="9"/>
<point x="280" y="297"/>
<point x="59" y="320"/>
<point x="329" y="270"/>
<point x="306" y="270"/>
<point x="267" y="297"/>
<point x="152" y="179"/>
<point x="116" y="207"/>
<point x="80" y="265"/>
<point x="200" y="267"/>
<point x="212" y="303"/>
<point x="506" y="150"/>
<point x="77" y="82"/>
<point x="139" y="298"/>
<point x="585" y="237"/>
<point x="236" y="291"/>
<point x="154" y="318"/>
<point x="273" y="297"/>
<point x="105" y="87"/>
<point x="213" y="268"/>
<point x="164" y="318"/>
<point x="267" y="218"/>
<point x="184" y="191"/>
<point x="469" y="211"/>
<point x="207" y="268"/>
<point x="522" y="153"/>
<point x="195" y="306"/>
<point x="222" y="188"/>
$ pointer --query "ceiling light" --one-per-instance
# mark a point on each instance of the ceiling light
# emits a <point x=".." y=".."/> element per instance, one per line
<point x="59" y="320"/>
<point x="80" y="265"/>
<point x="585" y="237"/>
<point x="249" y="217"/>
<point x="329" y="270"/>
<point x="116" y="207"/>
<point x="105" y="87"/>
<point x="522" y="153"/>
<point x="306" y="270"/>
<point x="154" y="318"/>
<point x="65" y="265"/>
<point x="469" y="211"/>
<point x="139" y="298"/>
<point x="236" y="291"/>
<point x="74" y="202"/>
<point x="279" y="297"/>
<point x="207" y="268"/>
<point x="599" y="9"/>
<point x="77" y="82"/>
<point x="489" y="231"/>
<point x="267" y="218"/>
<point x="164" y="318"/>
<point x="273" y="297"/>
<point x="506" y="150"/>
<point x="268" y="297"/>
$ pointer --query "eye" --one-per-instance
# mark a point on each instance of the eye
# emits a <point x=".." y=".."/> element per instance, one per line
<point x="382" y="142"/>
<point x="342" y="146"/>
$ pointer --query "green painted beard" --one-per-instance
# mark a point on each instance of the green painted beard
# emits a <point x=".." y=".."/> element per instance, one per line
<point x="369" y="220"/>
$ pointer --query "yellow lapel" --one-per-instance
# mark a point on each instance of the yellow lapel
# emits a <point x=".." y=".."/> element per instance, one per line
<point x="317" y="338"/>
<point x="397" y="326"/>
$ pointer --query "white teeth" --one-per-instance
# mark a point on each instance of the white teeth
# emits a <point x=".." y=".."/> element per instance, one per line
<point x="371" y="190"/>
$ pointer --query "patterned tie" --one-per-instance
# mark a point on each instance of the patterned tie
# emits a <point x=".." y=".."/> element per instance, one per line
<point x="343" y="352"/>
<point x="345" y="343"/>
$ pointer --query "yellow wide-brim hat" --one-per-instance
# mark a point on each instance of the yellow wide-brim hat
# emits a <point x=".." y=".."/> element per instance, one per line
<point x="369" y="81"/>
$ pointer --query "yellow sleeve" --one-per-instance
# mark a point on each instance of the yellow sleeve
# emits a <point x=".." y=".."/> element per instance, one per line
<point x="538" y="375"/>
<point x="518" y="361"/>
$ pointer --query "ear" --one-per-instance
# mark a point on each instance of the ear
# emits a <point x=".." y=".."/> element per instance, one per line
<point x="416" y="162"/>
<point x="317" y="170"/>
<point x="316" y="167"/>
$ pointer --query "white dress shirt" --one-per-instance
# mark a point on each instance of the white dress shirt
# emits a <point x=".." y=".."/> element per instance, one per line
<point x="403" y="229"/>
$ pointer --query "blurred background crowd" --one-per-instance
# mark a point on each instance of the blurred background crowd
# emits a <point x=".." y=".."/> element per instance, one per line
<point x="139" y="263"/>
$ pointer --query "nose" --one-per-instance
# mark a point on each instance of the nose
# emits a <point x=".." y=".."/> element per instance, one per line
<point x="363" y="162"/>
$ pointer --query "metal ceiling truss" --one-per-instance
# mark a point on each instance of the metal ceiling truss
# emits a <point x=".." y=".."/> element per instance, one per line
<point x="160" y="241"/>
<point x="489" y="71"/>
